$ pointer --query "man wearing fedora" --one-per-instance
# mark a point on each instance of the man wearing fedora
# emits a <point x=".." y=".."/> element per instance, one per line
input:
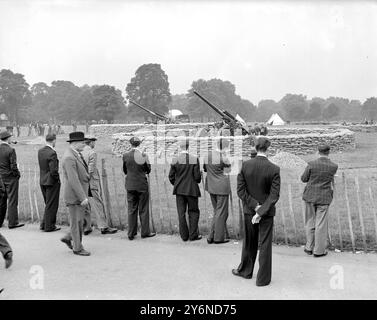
<point x="76" y="189"/>
<point x="258" y="186"/>
<point x="185" y="176"/>
<point x="136" y="166"/>
<point x="49" y="181"/>
<point x="10" y="176"/>
<point x="318" y="194"/>
<point x="96" y="205"/>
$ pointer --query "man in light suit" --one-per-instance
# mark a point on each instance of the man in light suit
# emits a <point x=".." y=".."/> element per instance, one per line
<point x="185" y="176"/>
<point x="76" y="189"/>
<point x="318" y="195"/>
<point x="96" y="205"/>
<point x="136" y="166"/>
<point x="217" y="184"/>
<point x="258" y="186"/>
<point x="49" y="182"/>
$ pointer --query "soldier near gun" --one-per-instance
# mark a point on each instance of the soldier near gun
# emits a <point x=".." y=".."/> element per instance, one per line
<point x="10" y="176"/>
<point x="185" y="176"/>
<point x="76" y="191"/>
<point x="136" y="166"/>
<point x="96" y="205"/>
<point x="217" y="184"/>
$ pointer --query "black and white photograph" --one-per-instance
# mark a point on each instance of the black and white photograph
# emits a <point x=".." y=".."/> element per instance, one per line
<point x="173" y="151"/>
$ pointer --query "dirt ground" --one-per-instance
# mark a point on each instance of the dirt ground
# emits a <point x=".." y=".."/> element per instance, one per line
<point x="164" y="267"/>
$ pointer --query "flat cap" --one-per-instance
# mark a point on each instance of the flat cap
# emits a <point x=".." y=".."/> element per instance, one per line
<point x="262" y="143"/>
<point x="324" y="148"/>
<point x="51" y="137"/>
<point x="135" y="141"/>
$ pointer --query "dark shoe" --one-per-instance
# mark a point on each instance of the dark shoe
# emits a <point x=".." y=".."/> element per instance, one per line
<point x="263" y="284"/>
<point x="41" y="228"/>
<point x="67" y="242"/>
<point x="17" y="226"/>
<point x="152" y="234"/>
<point x="82" y="252"/>
<point x="309" y="252"/>
<point x="209" y="241"/>
<point x="8" y="260"/>
<point x="52" y="230"/>
<point x="197" y="238"/>
<point x="130" y="237"/>
<point x="236" y="273"/>
<point x="218" y="242"/>
<point x="109" y="230"/>
<point x="86" y="232"/>
<point x="320" y="255"/>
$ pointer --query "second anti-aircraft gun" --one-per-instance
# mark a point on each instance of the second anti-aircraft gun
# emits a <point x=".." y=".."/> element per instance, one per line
<point x="157" y="116"/>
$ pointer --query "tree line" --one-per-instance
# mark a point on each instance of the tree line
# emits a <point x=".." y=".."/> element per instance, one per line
<point x="63" y="102"/>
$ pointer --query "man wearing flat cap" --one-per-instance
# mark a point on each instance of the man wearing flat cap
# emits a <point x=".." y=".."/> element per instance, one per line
<point x="318" y="194"/>
<point x="50" y="183"/>
<point x="258" y="186"/>
<point x="96" y="205"/>
<point x="185" y="176"/>
<point x="76" y="190"/>
<point x="136" y="166"/>
<point x="10" y="176"/>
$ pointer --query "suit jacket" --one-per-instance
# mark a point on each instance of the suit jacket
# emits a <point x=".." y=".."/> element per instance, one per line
<point x="319" y="174"/>
<point x="185" y="175"/>
<point x="216" y="181"/>
<point x="258" y="183"/>
<point x="8" y="162"/>
<point x="48" y="166"/>
<point x="76" y="177"/>
<point x="90" y="156"/>
<point x="136" y="166"/>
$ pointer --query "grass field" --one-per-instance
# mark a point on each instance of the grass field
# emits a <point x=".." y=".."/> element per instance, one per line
<point x="355" y="167"/>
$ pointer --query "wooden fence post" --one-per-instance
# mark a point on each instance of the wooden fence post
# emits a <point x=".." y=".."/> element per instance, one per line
<point x="35" y="194"/>
<point x="106" y="193"/>
<point x="374" y="211"/>
<point x="360" y="213"/>
<point x="209" y="220"/>
<point x="23" y="193"/>
<point x="150" y="203"/>
<point x="167" y="201"/>
<point x="30" y="199"/>
<point x="116" y="197"/>
<point x="338" y="219"/>
<point x="348" y="211"/>
<point x="284" y="227"/>
<point x="159" y="200"/>
<point x="291" y="211"/>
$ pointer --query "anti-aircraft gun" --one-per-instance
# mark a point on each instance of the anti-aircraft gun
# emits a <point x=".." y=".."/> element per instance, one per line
<point x="157" y="115"/>
<point x="227" y="117"/>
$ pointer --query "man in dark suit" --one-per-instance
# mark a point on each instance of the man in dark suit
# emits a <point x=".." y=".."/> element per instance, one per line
<point x="10" y="176"/>
<point x="136" y="166"/>
<point x="217" y="183"/>
<point x="318" y="194"/>
<point x="50" y="183"/>
<point x="258" y="186"/>
<point x="185" y="176"/>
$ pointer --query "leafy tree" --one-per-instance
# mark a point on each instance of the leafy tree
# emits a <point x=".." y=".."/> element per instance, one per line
<point x="295" y="106"/>
<point x="314" y="111"/>
<point x="14" y="94"/>
<point x="331" y="111"/>
<point x="222" y="94"/>
<point x="150" y="88"/>
<point x="107" y="102"/>
<point x="40" y="102"/>
<point x="179" y="102"/>
<point x="369" y="108"/>
<point x="266" y="108"/>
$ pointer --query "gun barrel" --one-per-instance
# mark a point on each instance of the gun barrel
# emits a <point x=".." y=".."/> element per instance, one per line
<point x="157" y="115"/>
<point x="221" y="113"/>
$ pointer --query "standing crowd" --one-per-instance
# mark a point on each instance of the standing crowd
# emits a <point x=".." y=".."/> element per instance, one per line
<point x="258" y="187"/>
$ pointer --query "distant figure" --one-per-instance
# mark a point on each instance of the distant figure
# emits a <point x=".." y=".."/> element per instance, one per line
<point x="217" y="184"/>
<point x="263" y="130"/>
<point x="185" y="176"/>
<point x="257" y="129"/>
<point x="10" y="176"/>
<point x="258" y="186"/>
<point x="136" y="167"/>
<point x="74" y="126"/>
<point x="30" y="127"/>
<point x="50" y="183"/>
<point x="18" y="130"/>
<point x="318" y="194"/>
<point x="76" y="191"/>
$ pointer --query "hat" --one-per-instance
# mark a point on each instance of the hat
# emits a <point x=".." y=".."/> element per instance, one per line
<point x="76" y="136"/>
<point x="4" y="135"/>
<point x="51" y="137"/>
<point x="262" y="143"/>
<point x="324" y="148"/>
<point x="135" y="141"/>
<point x="90" y="138"/>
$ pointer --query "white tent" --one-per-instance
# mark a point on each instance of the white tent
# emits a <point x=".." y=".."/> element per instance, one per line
<point x="175" y="112"/>
<point x="275" y="120"/>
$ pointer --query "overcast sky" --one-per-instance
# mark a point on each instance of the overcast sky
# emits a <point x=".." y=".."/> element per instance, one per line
<point x="267" y="49"/>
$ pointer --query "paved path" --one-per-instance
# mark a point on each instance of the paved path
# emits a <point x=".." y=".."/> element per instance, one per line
<point x="164" y="267"/>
